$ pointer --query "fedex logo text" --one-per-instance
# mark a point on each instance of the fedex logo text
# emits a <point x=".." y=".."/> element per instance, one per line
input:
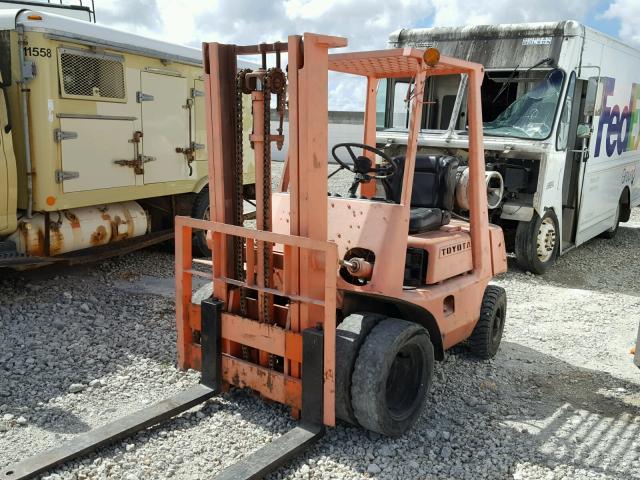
<point x="618" y="125"/>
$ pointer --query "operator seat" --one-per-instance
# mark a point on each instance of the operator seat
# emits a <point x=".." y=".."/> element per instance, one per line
<point x="434" y="184"/>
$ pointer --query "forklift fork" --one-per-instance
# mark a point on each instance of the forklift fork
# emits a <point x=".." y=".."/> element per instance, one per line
<point x="256" y="465"/>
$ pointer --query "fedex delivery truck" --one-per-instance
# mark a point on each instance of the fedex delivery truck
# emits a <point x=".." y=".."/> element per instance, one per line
<point x="560" y="105"/>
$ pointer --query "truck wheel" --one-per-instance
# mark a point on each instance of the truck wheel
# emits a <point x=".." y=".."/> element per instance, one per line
<point x="350" y="335"/>
<point x="487" y="334"/>
<point x="392" y="377"/>
<point x="538" y="243"/>
<point x="611" y="233"/>
<point x="200" y="210"/>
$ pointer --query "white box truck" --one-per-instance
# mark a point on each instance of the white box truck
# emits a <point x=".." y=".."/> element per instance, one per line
<point x="102" y="138"/>
<point x="561" y="128"/>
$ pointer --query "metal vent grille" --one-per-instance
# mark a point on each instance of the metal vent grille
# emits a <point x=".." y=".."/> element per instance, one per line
<point x="91" y="75"/>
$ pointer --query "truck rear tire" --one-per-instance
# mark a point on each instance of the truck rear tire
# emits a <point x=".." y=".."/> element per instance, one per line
<point x="392" y="377"/>
<point x="487" y="334"/>
<point x="538" y="243"/>
<point x="350" y="335"/>
<point x="200" y="210"/>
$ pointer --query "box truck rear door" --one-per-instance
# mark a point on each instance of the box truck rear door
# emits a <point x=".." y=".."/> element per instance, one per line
<point x="165" y="124"/>
<point x="90" y="149"/>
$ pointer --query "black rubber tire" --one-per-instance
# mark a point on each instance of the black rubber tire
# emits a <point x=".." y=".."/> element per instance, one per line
<point x="350" y="335"/>
<point x="200" y="211"/>
<point x="611" y="233"/>
<point x="487" y="334"/>
<point x="526" y="244"/>
<point x="392" y="377"/>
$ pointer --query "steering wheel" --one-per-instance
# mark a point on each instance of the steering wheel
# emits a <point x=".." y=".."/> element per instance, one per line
<point x="362" y="165"/>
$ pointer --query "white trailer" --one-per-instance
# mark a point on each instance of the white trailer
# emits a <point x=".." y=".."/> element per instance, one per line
<point x="561" y="132"/>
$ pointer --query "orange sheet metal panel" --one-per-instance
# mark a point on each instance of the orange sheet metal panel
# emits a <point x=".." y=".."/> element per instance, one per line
<point x="498" y="250"/>
<point x="263" y="336"/>
<point x="270" y="384"/>
<point x="195" y="321"/>
<point x="449" y="253"/>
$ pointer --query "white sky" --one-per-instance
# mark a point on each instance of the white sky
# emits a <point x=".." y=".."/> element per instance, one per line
<point x="366" y="23"/>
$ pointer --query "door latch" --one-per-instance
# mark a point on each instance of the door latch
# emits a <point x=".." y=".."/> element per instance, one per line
<point x="138" y="159"/>
<point x="190" y="153"/>
<point x="137" y="163"/>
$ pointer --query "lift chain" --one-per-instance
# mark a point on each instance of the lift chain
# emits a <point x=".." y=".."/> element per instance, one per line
<point x="241" y="87"/>
<point x="266" y="185"/>
<point x="279" y="87"/>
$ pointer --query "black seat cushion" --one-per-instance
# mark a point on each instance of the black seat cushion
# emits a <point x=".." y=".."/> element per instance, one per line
<point x="426" y="219"/>
<point x="434" y="184"/>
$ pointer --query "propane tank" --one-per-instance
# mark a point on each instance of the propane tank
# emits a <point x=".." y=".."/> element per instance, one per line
<point x="78" y="228"/>
<point x="495" y="188"/>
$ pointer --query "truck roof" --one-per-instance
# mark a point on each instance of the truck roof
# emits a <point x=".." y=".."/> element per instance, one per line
<point x="504" y="31"/>
<point x="100" y="35"/>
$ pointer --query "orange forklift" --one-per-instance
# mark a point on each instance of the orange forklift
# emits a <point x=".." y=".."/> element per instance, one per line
<point x="334" y="305"/>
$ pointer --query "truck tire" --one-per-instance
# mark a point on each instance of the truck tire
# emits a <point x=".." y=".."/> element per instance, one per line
<point x="392" y="377"/>
<point x="487" y="334"/>
<point x="200" y="210"/>
<point x="350" y="336"/>
<point x="538" y="243"/>
<point x="611" y="233"/>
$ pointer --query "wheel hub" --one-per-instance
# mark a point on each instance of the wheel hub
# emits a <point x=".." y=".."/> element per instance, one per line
<point x="546" y="241"/>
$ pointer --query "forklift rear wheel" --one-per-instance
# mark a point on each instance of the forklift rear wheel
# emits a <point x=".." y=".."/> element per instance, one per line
<point x="611" y="233"/>
<point x="537" y="243"/>
<point x="201" y="211"/>
<point x="350" y="335"/>
<point x="487" y="334"/>
<point x="392" y="377"/>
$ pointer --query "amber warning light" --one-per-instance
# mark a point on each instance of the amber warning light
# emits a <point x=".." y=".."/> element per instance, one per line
<point x="431" y="56"/>
<point x="34" y="17"/>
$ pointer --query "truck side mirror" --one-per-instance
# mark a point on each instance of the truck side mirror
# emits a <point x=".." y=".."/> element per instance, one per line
<point x="592" y="95"/>
<point x="583" y="131"/>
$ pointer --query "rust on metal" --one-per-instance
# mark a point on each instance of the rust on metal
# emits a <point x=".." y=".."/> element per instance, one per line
<point x="98" y="237"/>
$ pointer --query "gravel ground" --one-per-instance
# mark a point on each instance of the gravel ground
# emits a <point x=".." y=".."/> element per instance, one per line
<point x="83" y="346"/>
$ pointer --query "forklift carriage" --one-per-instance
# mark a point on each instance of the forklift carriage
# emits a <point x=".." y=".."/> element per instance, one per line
<point x="334" y="306"/>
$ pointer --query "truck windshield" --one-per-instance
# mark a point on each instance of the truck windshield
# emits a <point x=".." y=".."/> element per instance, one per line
<point x="531" y="115"/>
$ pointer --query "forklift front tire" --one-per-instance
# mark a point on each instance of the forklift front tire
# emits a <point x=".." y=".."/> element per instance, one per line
<point x="538" y="243"/>
<point x="392" y="377"/>
<point x="487" y="334"/>
<point x="350" y="335"/>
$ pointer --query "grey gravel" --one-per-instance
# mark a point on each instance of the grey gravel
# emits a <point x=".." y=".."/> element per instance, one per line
<point x="560" y="401"/>
<point x="76" y="387"/>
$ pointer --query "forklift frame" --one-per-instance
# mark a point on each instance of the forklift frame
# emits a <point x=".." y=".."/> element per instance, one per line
<point x="211" y="336"/>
